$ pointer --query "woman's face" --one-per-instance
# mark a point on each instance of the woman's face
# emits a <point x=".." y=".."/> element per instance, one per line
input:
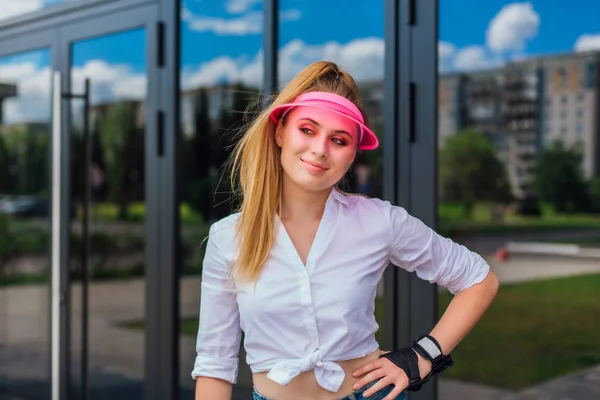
<point x="317" y="147"/>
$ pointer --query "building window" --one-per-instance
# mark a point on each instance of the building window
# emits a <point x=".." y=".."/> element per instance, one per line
<point x="590" y="76"/>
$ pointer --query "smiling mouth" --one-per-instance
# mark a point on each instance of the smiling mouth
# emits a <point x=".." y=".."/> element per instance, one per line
<point x="315" y="165"/>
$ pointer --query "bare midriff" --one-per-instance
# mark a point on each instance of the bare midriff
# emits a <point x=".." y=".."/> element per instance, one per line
<point x="305" y="386"/>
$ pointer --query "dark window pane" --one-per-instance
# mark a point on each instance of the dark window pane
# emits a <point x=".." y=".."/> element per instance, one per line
<point x="24" y="224"/>
<point x="115" y="172"/>
<point x="221" y="76"/>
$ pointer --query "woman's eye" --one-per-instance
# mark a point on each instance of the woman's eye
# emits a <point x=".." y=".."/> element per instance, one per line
<point x="306" y="130"/>
<point x="339" y="141"/>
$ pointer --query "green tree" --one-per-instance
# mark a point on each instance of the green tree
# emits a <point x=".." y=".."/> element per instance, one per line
<point x="26" y="148"/>
<point x="594" y="194"/>
<point x="122" y="141"/>
<point x="559" y="179"/>
<point x="470" y="171"/>
<point x="6" y="179"/>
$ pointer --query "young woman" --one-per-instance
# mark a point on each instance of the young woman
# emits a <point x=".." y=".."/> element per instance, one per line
<point x="296" y="269"/>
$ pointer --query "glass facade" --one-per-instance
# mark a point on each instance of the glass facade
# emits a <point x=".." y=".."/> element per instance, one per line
<point x="221" y="78"/>
<point x="107" y="172"/>
<point x="360" y="52"/>
<point x="25" y="88"/>
<point x="518" y="133"/>
<point x="106" y="199"/>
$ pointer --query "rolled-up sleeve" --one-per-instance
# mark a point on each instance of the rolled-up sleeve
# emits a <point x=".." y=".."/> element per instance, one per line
<point x="417" y="248"/>
<point x="219" y="333"/>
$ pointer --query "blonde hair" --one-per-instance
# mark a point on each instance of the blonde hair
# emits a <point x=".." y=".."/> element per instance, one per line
<point x="256" y="172"/>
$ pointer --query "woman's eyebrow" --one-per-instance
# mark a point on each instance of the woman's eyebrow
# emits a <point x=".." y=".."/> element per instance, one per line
<point x="319" y="125"/>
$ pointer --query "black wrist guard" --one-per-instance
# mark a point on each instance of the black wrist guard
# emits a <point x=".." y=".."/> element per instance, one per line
<point x="407" y="360"/>
<point x="431" y="350"/>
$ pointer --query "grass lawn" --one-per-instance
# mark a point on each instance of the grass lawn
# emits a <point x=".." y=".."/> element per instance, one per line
<point x="532" y="332"/>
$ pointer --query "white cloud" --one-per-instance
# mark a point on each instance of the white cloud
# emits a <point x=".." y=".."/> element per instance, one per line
<point x="12" y="8"/>
<point x="239" y="6"/>
<point x="109" y="81"/>
<point x="363" y="58"/>
<point x="446" y="53"/>
<point x="587" y="42"/>
<point x="507" y="35"/>
<point x="249" y="23"/>
<point x="292" y="14"/>
<point x="513" y="25"/>
<point x="224" y="70"/>
<point x="32" y="103"/>
<point x="472" y="58"/>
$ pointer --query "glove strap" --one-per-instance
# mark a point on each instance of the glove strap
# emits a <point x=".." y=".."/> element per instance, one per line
<point x="407" y="360"/>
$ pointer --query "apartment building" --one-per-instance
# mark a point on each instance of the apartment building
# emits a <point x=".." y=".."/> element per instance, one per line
<point x="524" y="106"/>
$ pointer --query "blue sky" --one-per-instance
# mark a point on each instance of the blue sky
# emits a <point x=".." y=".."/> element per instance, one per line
<point x="302" y="19"/>
<point x="464" y="22"/>
<point x="221" y="41"/>
<point x="209" y="27"/>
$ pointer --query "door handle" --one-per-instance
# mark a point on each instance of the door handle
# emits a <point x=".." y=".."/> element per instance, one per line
<point x="56" y="289"/>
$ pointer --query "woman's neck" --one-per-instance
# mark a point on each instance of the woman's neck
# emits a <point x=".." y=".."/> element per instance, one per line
<point x="301" y="205"/>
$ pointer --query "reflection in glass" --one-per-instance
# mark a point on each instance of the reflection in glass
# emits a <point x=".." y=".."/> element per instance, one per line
<point x="115" y="180"/>
<point x="519" y="122"/>
<point x="24" y="224"/>
<point x="15" y="8"/>
<point x="360" y="52"/>
<point x="217" y="85"/>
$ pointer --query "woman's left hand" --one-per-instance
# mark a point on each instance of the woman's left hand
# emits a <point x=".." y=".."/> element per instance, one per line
<point x="388" y="373"/>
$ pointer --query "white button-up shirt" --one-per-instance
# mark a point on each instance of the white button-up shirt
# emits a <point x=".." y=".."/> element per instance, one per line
<point x="299" y="318"/>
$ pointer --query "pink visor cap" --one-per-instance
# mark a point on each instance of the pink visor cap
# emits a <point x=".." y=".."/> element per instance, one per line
<point x="335" y="103"/>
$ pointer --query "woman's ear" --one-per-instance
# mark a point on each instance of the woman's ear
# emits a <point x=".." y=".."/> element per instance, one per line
<point x="278" y="133"/>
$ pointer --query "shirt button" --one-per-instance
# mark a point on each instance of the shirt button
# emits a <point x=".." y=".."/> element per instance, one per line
<point x="319" y="364"/>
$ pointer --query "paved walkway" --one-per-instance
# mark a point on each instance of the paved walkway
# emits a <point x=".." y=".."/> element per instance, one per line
<point x="117" y="352"/>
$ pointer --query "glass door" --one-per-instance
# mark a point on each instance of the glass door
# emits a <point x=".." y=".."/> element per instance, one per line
<point x="78" y="206"/>
<point x="26" y="236"/>
<point x="110" y="155"/>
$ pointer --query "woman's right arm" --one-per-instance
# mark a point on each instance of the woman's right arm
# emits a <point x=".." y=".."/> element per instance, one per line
<point x="212" y="388"/>
<point x="219" y="333"/>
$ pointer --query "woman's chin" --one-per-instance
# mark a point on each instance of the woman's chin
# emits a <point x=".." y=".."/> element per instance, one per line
<point x="312" y="183"/>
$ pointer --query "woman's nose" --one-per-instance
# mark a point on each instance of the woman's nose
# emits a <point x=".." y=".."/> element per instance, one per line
<point x="320" y="147"/>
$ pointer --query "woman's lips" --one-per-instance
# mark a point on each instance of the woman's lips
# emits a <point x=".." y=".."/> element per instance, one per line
<point x="316" y="167"/>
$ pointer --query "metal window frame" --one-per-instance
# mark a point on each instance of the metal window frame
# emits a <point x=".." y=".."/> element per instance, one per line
<point x="270" y="45"/>
<point x="166" y="385"/>
<point x="410" y="176"/>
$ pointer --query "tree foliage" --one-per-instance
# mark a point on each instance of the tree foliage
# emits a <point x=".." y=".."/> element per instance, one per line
<point x="122" y="141"/>
<point x="470" y="171"/>
<point x="559" y="178"/>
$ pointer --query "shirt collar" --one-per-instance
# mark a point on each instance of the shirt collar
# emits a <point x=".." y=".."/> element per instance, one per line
<point x="336" y="194"/>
